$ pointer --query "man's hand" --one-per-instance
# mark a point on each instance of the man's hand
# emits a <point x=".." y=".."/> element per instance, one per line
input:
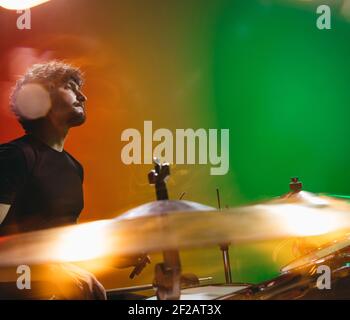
<point x="75" y="283"/>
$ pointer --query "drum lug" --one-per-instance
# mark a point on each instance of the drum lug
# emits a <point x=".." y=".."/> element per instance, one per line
<point x="168" y="277"/>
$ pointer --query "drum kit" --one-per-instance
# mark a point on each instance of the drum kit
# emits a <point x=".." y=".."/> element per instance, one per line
<point x="168" y="226"/>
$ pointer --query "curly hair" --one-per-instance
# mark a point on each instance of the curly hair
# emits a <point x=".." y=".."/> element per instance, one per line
<point x="54" y="73"/>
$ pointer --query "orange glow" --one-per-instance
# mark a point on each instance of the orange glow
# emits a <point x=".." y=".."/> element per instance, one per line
<point x="84" y="242"/>
<point x="20" y="4"/>
<point x="304" y="222"/>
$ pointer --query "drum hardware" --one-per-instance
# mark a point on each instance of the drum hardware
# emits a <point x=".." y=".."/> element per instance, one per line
<point x="163" y="226"/>
<point x="295" y="189"/>
<point x="218" y="198"/>
<point x="299" y="280"/>
<point x="297" y="195"/>
<point x="182" y="195"/>
<point x="295" y="185"/>
<point x="167" y="274"/>
<point x="225" y="250"/>
<point x="144" y="260"/>
<point x="131" y="289"/>
<point x="146" y="229"/>
<point x="164" y="209"/>
<point x="187" y="281"/>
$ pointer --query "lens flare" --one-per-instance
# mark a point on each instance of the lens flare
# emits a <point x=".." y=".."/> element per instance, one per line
<point x="84" y="242"/>
<point x="20" y="4"/>
<point x="304" y="222"/>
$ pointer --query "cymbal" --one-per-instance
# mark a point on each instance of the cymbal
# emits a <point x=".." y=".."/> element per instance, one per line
<point x="319" y="253"/>
<point x="309" y="198"/>
<point x="156" y="208"/>
<point x="178" y="230"/>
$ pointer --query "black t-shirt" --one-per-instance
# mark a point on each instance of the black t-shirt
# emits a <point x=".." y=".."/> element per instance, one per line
<point x="49" y="194"/>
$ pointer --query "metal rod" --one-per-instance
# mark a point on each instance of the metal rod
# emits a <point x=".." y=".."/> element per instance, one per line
<point x="131" y="289"/>
<point x="145" y="287"/>
<point x="225" y="251"/>
<point x="218" y="198"/>
<point x="205" y="279"/>
<point x="227" y="265"/>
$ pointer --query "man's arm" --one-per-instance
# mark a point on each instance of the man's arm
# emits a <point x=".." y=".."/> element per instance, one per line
<point x="4" y="209"/>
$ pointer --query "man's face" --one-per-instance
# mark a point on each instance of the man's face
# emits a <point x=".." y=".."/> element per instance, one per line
<point x="68" y="105"/>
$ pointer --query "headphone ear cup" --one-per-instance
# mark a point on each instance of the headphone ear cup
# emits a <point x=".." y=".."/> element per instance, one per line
<point x="33" y="101"/>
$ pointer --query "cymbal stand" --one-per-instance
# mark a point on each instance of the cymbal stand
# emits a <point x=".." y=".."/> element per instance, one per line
<point x="225" y="251"/>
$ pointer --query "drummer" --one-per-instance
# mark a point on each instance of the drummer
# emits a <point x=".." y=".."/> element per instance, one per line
<point x="40" y="182"/>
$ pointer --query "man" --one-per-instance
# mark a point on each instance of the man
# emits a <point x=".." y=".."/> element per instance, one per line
<point x="41" y="183"/>
<point x="47" y="192"/>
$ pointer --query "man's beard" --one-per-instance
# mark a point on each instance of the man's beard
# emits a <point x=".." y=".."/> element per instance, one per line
<point x="77" y="119"/>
